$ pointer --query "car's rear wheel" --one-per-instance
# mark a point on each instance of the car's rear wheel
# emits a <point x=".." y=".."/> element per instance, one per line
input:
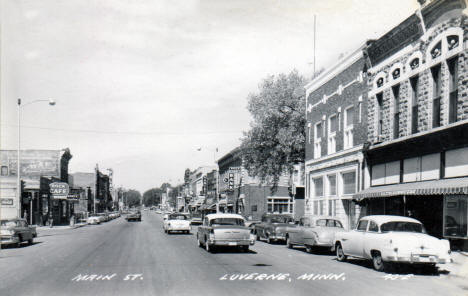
<point x="30" y="241"/>
<point x="340" y="255"/>
<point x="377" y="261"/>
<point x="244" y="248"/>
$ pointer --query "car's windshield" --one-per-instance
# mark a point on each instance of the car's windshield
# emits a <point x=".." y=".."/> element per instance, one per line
<point x="8" y="223"/>
<point x="281" y="219"/>
<point x="402" y="226"/>
<point x="177" y="217"/>
<point x="226" y="221"/>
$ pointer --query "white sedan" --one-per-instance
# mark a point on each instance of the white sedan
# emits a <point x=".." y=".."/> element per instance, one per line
<point x="176" y="222"/>
<point x="93" y="220"/>
<point x="391" y="239"/>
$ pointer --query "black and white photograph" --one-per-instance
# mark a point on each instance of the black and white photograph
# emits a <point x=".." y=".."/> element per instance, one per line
<point x="233" y="147"/>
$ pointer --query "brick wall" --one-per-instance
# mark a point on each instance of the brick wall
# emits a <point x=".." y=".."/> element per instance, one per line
<point x="348" y="97"/>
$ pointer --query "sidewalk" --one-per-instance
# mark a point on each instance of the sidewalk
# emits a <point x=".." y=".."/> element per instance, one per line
<point x="459" y="266"/>
<point x="60" y="227"/>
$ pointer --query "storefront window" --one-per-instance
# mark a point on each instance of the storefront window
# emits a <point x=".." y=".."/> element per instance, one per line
<point x="280" y="205"/>
<point x="332" y="185"/>
<point x="456" y="214"/>
<point x="349" y="182"/>
<point x="318" y="187"/>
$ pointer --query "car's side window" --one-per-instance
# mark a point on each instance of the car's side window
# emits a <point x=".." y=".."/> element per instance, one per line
<point x="321" y="222"/>
<point x="373" y="227"/>
<point x="330" y="223"/>
<point x="362" y="226"/>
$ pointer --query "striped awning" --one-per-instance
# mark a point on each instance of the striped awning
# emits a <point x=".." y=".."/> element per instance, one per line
<point x="433" y="187"/>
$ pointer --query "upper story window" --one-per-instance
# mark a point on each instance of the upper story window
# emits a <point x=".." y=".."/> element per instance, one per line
<point x="379" y="112"/>
<point x="453" y="88"/>
<point x="396" y="111"/>
<point x="332" y="129"/>
<point x="396" y="73"/>
<point x="318" y="140"/>
<point x="452" y="41"/>
<point x="380" y="82"/>
<point x="436" y="51"/>
<point x="414" y="82"/>
<point x="348" y="127"/>
<point x="414" y="64"/>
<point x="4" y="171"/>
<point x="436" y="95"/>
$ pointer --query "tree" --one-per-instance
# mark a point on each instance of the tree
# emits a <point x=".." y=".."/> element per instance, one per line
<point x="276" y="140"/>
<point x="152" y="197"/>
<point x="132" y="198"/>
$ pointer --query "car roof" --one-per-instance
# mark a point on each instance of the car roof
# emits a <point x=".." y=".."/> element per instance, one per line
<point x="215" y="216"/>
<point x="380" y="219"/>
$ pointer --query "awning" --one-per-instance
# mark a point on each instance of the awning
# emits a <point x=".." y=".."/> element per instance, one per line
<point x="434" y="187"/>
<point x="208" y="207"/>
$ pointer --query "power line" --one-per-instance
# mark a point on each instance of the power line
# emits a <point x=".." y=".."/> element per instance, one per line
<point x="143" y="133"/>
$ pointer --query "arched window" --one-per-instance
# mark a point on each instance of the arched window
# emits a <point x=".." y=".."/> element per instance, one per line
<point x="414" y="64"/>
<point x="396" y="73"/>
<point x="436" y="51"/>
<point x="452" y="41"/>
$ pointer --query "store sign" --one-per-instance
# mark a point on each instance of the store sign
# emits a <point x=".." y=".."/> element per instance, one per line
<point x="74" y="196"/>
<point x="7" y="201"/>
<point x="59" y="190"/>
<point x="231" y="181"/>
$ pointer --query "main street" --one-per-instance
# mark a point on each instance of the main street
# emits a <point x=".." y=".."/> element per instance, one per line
<point x="138" y="258"/>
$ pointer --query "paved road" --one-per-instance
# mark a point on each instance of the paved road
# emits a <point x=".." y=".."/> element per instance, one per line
<point x="133" y="258"/>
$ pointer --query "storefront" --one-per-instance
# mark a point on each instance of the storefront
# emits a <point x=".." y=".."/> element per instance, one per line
<point x="441" y="205"/>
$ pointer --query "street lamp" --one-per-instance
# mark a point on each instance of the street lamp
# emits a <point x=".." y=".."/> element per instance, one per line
<point x="18" y="174"/>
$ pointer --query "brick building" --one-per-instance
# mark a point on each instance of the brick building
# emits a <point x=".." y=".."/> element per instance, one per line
<point x="245" y="195"/>
<point x="336" y="133"/>
<point x="417" y="160"/>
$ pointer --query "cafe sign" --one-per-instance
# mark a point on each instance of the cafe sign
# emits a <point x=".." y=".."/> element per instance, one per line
<point x="59" y="190"/>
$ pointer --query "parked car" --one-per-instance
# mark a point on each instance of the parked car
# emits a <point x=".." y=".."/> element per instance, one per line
<point x="177" y="222"/>
<point x="93" y="220"/>
<point x="16" y="231"/>
<point x="313" y="232"/>
<point x="224" y="230"/>
<point x="251" y="224"/>
<point x="196" y="219"/>
<point x="134" y="216"/>
<point x="388" y="239"/>
<point x="273" y="227"/>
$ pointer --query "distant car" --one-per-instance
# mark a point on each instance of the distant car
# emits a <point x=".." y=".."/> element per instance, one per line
<point x="196" y="219"/>
<point x="15" y="231"/>
<point x="224" y="230"/>
<point x="103" y="216"/>
<point x="93" y="220"/>
<point x="313" y="232"/>
<point x="134" y="216"/>
<point x="273" y="227"/>
<point x="177" y="222"/>
<point x="386" y="239"/>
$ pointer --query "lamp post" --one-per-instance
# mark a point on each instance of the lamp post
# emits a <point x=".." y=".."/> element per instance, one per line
<point x="18" y="173"/>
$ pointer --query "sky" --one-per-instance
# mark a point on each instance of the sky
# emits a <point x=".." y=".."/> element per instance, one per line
<point x="140" y="86"/>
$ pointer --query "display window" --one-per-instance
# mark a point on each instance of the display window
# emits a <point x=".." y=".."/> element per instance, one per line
<point x="456" y="215"/>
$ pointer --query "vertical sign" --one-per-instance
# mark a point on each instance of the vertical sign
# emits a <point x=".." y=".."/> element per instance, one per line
<point x="204" y="186"/>
<point x="231" y="181"/>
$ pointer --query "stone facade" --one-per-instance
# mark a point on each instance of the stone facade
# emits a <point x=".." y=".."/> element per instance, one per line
<point x="419" y="49"/>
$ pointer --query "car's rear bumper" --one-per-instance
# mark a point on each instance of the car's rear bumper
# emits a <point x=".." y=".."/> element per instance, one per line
<point x="9" y="239"/>
<point x="244" y="242"/>
<point x="417" y="259"/>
